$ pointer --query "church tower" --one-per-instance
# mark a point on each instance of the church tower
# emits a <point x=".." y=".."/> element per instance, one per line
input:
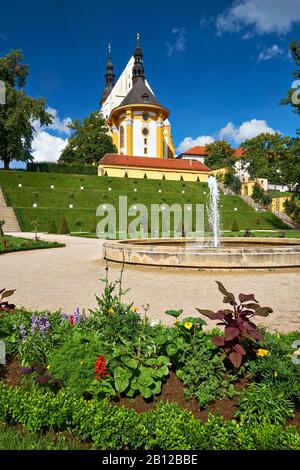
<point x="109" y="78"/>
<point x="139" y="124"/>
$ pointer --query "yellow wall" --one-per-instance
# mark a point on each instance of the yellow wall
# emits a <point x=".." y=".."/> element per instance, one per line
<point x="278" y="203"/>
<point x="151" y="173"/>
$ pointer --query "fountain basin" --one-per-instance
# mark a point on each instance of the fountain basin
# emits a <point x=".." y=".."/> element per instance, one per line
<point x="237" y="252"/>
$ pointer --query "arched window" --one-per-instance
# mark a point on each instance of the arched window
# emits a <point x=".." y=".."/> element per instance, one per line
<point x="121" y="136"/>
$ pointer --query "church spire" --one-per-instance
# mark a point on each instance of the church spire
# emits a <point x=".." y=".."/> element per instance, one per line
<point x="109" y="77"/>
<point x="138" y="68"/>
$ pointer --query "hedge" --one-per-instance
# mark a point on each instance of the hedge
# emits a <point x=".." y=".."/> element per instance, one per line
<point x="167" y="427"/>
<point x="50" y="167"/>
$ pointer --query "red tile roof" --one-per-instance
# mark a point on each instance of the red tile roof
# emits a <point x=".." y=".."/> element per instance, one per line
<point x="148" y="162"/>
<point x="201" y="150"/>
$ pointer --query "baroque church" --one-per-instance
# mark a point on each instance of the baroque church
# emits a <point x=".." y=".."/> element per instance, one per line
<point x="139" y="127"/>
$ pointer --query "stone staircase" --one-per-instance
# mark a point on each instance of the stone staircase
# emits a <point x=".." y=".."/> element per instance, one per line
<point x="8" y="214"/>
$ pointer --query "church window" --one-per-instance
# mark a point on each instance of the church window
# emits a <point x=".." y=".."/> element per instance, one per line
<point x="145" y="97"/>
<point x="121" y="136"/>
<point x="145" y="115"/>
<point x="145" y="151"/>
<point x="145" y="131"/>
<point x="145" y="141"/>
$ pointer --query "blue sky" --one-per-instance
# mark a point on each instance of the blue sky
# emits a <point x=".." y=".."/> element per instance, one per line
<point x="221" y="67"/>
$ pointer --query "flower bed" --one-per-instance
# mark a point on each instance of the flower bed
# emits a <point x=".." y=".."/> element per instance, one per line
<point x="106" y="376"/>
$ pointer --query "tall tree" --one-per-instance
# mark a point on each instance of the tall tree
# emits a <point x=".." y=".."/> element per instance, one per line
<point x="220" y="154"/>
<point x="89" y="141"/>
<point x="264" y="156"/>
<point x="290" y="167"/>
<point x="19" y="111"/>
<point x="293" y="94"/>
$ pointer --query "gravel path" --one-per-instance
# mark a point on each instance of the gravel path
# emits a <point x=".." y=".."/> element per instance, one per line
<point x="69" y="277"/>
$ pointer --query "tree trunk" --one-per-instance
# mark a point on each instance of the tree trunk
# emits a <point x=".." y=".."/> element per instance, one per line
<point x="6" y="163"/>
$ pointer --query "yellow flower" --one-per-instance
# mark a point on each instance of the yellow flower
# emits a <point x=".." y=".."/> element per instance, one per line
<point x="262" y="352"/>
<point x="188" y="325"/>
<point x="81" y="363"/>
<point x="48" y="366"/>
<point x="297" y="353"/>
<point x="110" y="311"/>
<point x="176" y="321"/>
<point x="275" y="374"/>
<point x="135" y="309"/>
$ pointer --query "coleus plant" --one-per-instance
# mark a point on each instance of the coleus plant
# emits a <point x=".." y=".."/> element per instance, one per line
<point x="237" y="322"/>
<point x="4" y="305"/>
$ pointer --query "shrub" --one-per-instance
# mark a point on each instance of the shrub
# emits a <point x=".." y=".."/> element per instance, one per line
<point x="64" y="227"/>
<point x="50" y="167"/>
<point x="235" y="227"/>
<point x="260" y="403"/>
<point x="4" y="305"/>
<point x="52" y="227"/>
<point x="232" y="182"/>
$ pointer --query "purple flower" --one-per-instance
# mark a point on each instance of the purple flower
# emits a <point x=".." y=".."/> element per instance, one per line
<point x="40" y="324"/>
<point x="63" y="317"/>
<point x="26" y="370"/>
<point x="22" y="331"/>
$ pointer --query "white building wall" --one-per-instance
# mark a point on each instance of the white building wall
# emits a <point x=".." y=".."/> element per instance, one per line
<point x="138" y="138"/>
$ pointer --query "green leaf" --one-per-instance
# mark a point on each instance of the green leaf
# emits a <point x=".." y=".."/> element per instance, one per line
<point x="145" y="392"/>
<point x="121" y="377"/>
<point x="129" y="362"/>
<point x="163" y="360"/>
<point x="174" y="313"/>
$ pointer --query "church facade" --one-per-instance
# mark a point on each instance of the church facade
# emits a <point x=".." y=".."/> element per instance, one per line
<point x="139" y="127"/>
<point x="138" y="123"/>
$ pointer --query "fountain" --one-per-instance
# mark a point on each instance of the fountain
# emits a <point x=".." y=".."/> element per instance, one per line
<point x="213" y="210"/>
<point x="234" y="253"/>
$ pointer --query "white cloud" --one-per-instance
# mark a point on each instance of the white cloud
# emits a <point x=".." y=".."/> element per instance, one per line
<point x="189" y="142"/>
<point x="179" y="41"/>
<point x="59" y="125"/>
<point x="246" y="130"/>
<point x="47" y="147"/>
<point x="270" y="52"/>
<point x="263" y="16"/>
<point x="205" y="21"/>
<point x="230" y="132"/>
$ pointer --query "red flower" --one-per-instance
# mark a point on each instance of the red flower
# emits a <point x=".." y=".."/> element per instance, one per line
<point x="100" y="368"/>
<point x="71" y="319"/>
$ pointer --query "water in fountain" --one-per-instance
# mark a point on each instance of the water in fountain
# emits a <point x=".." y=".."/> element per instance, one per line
<point x="213" y="210"/>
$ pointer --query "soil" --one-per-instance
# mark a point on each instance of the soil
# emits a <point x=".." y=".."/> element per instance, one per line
<point x="172" y="391"/>
<point x="11" y="374"/>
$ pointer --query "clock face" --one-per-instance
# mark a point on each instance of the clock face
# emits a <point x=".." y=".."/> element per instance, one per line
<point x="145" y="131"/>
<point x="145" y="116"/>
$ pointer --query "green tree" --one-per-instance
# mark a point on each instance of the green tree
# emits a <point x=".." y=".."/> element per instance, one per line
<point x="290" y="168"/>
<point x="220" y="154"/>
<point x="89" y="141"/>
<point x="293" y="94"/>
<point x="265" y="155"/>
<point x="52" y="227"/>
<point x="64" y="227"/>
<point x="235" y="227"/>
<point x="79" y="224"/>
<point x="19" y="112"/>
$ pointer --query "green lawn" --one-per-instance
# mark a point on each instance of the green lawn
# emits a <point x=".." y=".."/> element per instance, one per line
<point x="274" y="234"/>
<point x="54" y="203"/>
<point x="10" y="244"/>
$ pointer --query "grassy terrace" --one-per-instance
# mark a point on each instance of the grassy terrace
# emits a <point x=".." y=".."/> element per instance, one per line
<point x="9" y="244"/>
<point x="54" y="203"/>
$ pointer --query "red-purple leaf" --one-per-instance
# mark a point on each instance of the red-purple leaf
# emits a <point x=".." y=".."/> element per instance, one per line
<point x="206" y="313"/>
<point x="8" y="293"/>
<point x="263" y="311"/>
<point x="228" y="296"/>
<point x="239" y="349"/>
<point x="219" y="315"/>
<point x="231" y="332"/>
<point x="236" y="359"/>
<point x="252" y="306"/>
<point x="246" y="298"/>
<point x="218" y="341"/>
